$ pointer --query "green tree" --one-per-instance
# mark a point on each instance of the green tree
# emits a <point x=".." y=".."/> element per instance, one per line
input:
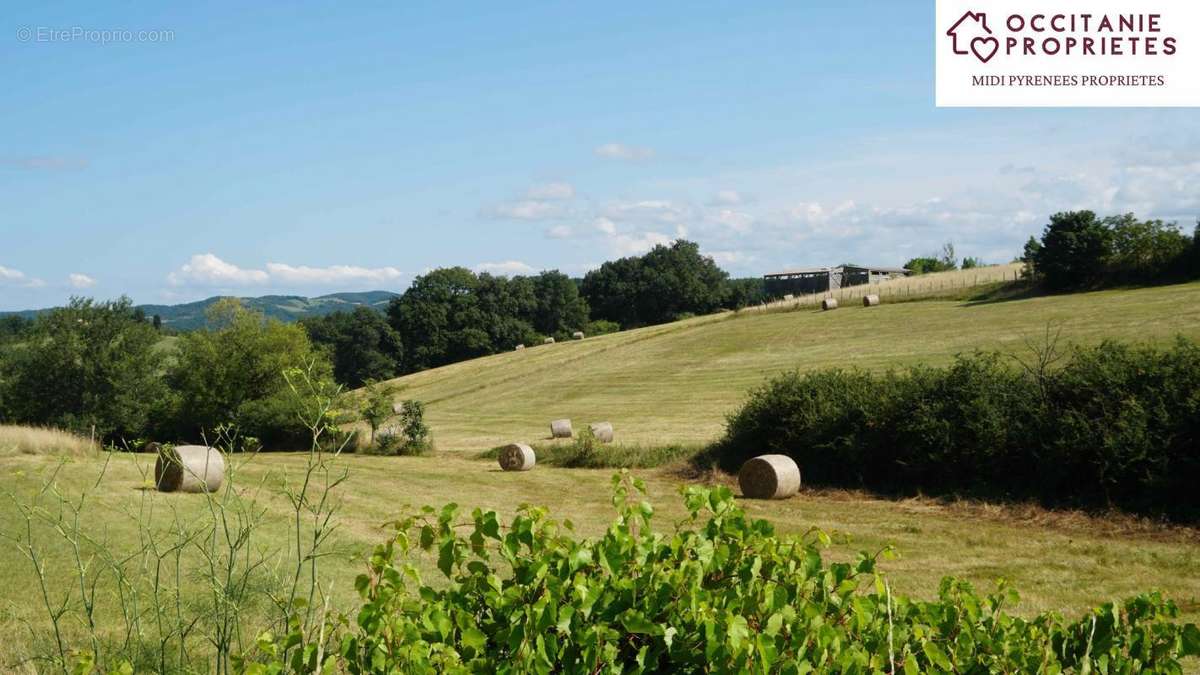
<point x="560" y="309"/>
<point x="89" y="365"/>
<point x="440" y="319"/>
<point x="1146" y="250"/>
<point x="1076" y="249"/>
<point x="233" y="371"/>
<point x="377" y="406"/>
<point x="745" y="292"/>
<point x="664" y="284"/>
<point x="361" y="344"/>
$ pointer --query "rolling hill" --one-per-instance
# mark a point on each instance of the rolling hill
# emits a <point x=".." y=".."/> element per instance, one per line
<point x="675" y="383"/>
<point x="189" y="316"/>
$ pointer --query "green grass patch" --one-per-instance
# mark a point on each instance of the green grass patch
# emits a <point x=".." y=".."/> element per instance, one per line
<point x="577" y="455"/>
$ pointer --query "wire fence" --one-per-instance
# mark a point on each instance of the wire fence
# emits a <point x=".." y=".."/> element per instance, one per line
<point x="923" y="285"/>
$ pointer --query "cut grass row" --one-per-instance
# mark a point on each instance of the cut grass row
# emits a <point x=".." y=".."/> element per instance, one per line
<point x="1062" y="562"/>
<point x="674" y="384"/>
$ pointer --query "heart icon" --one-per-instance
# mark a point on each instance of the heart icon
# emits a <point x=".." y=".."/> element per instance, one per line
<point x="985" y="48"/>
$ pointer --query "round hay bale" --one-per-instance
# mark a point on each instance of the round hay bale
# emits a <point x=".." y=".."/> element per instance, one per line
<point x="578" y="335"/>
<point x="548" y="341"/>
<point x="520" y="347"/>
<point x="769" y="477"/>
<point x="870" y="300"/>
<point x="561" y="429"/>
<point x="189" y="468"/>
<point x="517" y="457"/>
<point x="828" y="304"/>
<point x="789" y="296"/>
<point x="603" y="431"/>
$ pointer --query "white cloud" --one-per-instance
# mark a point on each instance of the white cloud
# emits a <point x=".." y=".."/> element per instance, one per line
<point x="637" y="243"/>
<point x="648" y="211"/>
<point x="726" y="198"/>
<point x="731" y="257"/>
<point x="7" y="274"/>
<point x="207" y="269"/>
<point x="736" y="221"/>
<point x="551" y="191"/>
<point x="526" y="209"/>
<point x="559" y="232"/>
<point x="334" y="274"/>
<point x="629" y="153"/>
<point x="507" y="268"/>
<point x="605" y="225"/>
<point x="78" y="280"/>
<point x="18" y="278"/>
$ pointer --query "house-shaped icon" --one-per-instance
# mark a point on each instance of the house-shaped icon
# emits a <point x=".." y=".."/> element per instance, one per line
<point x="961" y="31"/>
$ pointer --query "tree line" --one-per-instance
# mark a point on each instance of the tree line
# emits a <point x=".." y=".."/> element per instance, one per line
<point x="1079" y="250"/>
<point x="453" y="314"/>
<point x="104" y="368"/>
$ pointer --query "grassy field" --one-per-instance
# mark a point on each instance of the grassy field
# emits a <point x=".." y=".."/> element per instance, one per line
<point x="18" y="440"/>
<point x="1062" y="562"/>
<point x="674" y="384"/>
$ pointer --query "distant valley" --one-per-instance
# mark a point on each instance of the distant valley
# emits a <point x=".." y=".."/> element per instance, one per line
<point x="190" y="315"/>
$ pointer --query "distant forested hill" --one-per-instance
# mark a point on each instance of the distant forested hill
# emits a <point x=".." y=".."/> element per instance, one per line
<point x="189" y="316"/>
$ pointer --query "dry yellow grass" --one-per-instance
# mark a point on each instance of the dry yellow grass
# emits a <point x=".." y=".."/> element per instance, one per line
<point x="676" y="383"/>
<point x="21" y="440"/>
<point x="910" y="287"/>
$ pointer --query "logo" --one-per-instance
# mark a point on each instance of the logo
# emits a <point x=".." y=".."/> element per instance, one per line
<point x="1066" y="53"/>
<point x="966" y="37"/>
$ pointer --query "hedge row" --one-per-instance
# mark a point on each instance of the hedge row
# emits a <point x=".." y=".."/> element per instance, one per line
<point x="1114" y="426"/>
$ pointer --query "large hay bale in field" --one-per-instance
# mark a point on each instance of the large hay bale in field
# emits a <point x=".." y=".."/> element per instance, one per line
<point x="548" y="341"/>
<point x="520" y="347"/>
<point x="870" y="300"/>
<point x="189" y="468"/>
<point x="578" y="335"/>
<point x="828" y="304"/>
<point x="769" y="477"/>
<point x="561" y="429"/>
<point x="789" y="296"/>
<point x="517" y="457"/>
<point x="603" y="431"/>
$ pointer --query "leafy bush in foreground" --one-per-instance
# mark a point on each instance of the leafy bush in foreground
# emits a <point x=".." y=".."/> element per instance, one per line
<point x="1112" y="425"/>
<point x="720" y="594"/>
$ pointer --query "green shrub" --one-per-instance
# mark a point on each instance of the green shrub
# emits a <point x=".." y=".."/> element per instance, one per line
<point x="1115" y="425"/>
<point x="410" y="437"/>
<point x="601" y="327"/>
<point x="720" y="594"/>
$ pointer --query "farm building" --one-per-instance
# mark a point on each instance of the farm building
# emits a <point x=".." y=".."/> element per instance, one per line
<point x="823" y="279"/>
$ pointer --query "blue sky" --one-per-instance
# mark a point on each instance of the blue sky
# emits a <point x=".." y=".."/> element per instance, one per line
<point x="316" y="147"/>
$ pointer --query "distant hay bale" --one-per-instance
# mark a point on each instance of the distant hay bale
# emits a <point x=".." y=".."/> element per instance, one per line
<point x="520" y="347"/>
<point x="789" y="296"/>
<point x="189" y="468"/>
<point x="548" y="341"/>
<point x="769" y="477"/>
<point x="561" y="429"/>
<point x="578" y="335"/>
<point x="828" y="304"/>
<point x="870" y="300"/>
<point x="603" y="431"/>
<point x="517" y="457"/>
